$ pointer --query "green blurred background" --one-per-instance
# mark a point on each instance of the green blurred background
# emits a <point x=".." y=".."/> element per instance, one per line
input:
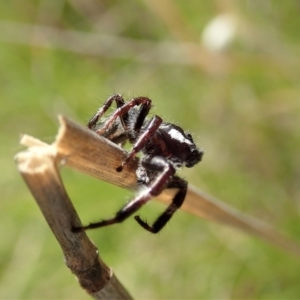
<point x="228" y="71"/>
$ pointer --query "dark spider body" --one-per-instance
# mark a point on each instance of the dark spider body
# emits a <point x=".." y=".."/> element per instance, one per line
<point x="165" y="147"/>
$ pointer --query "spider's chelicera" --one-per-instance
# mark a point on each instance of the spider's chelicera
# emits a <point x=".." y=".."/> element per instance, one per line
<point x="165" y="148"/>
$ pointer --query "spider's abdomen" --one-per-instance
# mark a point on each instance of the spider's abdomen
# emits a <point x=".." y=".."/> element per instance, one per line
<point x="180" y="145"/>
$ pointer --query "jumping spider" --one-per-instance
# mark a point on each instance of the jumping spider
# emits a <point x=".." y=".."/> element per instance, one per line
<point x="165" y="147"/>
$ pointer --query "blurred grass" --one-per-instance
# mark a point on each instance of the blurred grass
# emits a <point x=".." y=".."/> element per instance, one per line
<point x="245" y="114"/>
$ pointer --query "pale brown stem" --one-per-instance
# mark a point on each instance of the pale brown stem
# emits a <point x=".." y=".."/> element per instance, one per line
<point x="39" y="171"/>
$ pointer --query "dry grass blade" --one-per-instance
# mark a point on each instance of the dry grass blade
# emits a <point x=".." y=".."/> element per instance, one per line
<point x="87" y="152"/>
<point x="96" y="44"/>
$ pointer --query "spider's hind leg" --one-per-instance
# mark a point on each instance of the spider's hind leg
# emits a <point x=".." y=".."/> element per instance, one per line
<point x="163" y="219"/>
<point x="154" y="189"/>
<point x="165" y="179"/>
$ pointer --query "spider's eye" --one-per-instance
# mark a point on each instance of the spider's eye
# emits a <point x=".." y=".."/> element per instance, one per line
<point x="189" y="136"/>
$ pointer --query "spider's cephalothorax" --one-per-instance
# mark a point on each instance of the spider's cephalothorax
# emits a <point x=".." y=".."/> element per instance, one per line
<point x="165" y="148"/>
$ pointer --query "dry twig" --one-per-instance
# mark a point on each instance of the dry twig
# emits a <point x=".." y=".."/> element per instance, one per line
<point x="96" y="44"/>
<point x="39" y="170"/>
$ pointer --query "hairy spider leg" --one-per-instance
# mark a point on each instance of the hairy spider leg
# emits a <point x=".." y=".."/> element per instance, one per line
<point x="142" y="114"/>
<point x="119" y="102"/>
<point x="143" y="139"/>
<point x="123" y="110"/>
<point x="163" y="219"/>
<point x="154" y="189"/>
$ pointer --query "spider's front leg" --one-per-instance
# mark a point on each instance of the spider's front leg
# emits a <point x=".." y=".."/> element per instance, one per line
<point x="143" y="139"/>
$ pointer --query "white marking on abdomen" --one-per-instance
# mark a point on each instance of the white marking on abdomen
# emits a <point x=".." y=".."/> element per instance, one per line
<point x="176" y="135"/>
